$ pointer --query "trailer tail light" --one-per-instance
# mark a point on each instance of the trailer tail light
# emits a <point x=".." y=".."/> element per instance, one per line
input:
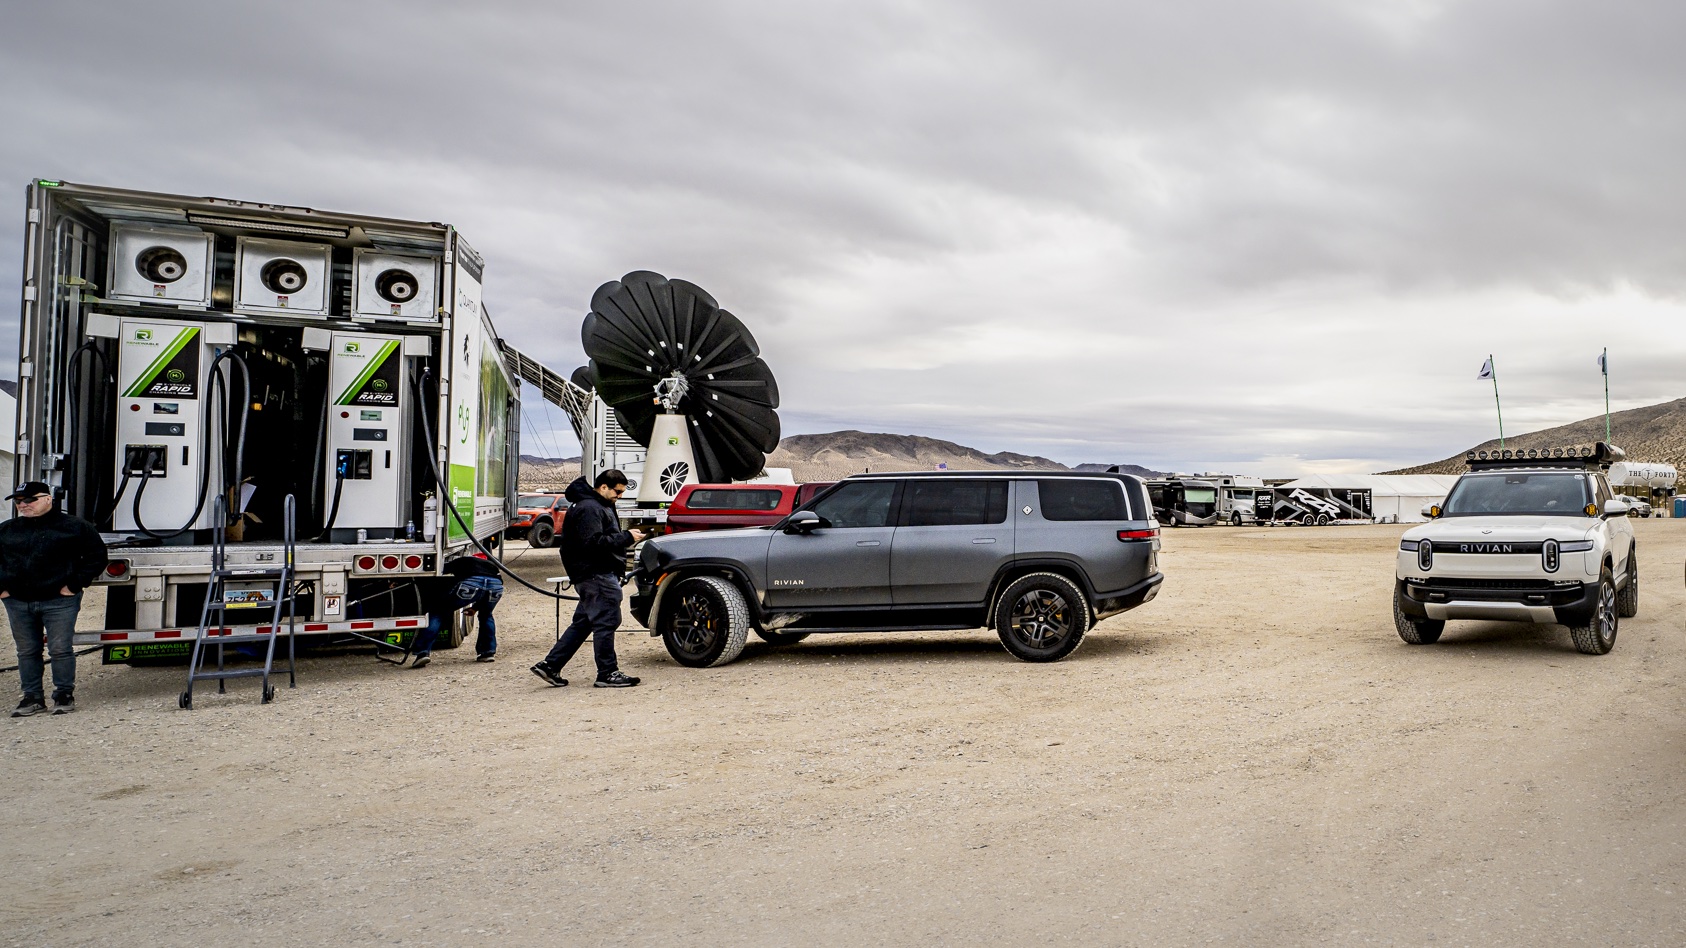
<point x="389" y="563"/>
<point x="412" y="562"/>
<point x="365" y="564"/>
<point x="117" y="569"/>
<point x="1148" y="534"/>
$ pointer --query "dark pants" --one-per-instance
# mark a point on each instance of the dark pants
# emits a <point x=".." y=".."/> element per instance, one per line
<point x="598" y="615"/>
<point x="52" y="622"/>
<point x="481" y="591"/>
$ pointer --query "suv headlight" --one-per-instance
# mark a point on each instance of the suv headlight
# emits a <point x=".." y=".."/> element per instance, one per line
<point x="1408" y="546"/>
<point x="1425" y="555"/>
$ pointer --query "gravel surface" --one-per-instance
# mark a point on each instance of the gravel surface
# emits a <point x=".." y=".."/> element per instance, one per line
<point x="1252" y="758"/>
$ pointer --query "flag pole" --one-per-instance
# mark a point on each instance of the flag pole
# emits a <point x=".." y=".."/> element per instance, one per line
<point x="1496" y="406"/>
<point x="1604" y="363"/>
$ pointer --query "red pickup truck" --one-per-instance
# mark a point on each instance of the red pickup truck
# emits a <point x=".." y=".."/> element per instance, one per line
<point x="716" y="506"/>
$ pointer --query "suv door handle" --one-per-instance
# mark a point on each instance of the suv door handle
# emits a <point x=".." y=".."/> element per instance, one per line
<point x="983" y="539"/>
<point x="868" y="542"/>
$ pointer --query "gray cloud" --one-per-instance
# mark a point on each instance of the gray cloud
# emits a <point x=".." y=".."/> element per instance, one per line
<point x="1242" y="234"/>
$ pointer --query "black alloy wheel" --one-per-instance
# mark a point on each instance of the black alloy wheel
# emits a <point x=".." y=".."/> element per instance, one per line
<point x="1041" y="617"/>
<point x="1597" y="636"/>
<point x="704" y="622"/>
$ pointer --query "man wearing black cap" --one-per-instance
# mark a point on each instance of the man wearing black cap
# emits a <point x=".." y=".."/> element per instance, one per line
<point x="47" y="558"/>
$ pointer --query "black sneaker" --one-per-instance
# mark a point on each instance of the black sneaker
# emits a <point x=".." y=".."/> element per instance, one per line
<point x="488" y="657"/>
<point x="550" y="675"/>
<point x="614" y="679"/>
<point x="28" y="706"/>
<point x="420" y="661"/>
<point x="64" y="703"/>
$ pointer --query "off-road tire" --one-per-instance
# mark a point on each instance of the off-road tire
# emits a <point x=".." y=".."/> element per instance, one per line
<point x="542" y="534"/>
<point x="1413" y="630"/>
<point x="1627" y="601"/>
<point x="1598" y="635"/>
<point x="1041" y="617"/>
<point x="774" y="637"/>
<point x="704" y="622"/>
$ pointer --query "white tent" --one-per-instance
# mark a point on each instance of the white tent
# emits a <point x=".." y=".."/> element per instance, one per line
<point x="1394" y="498"/>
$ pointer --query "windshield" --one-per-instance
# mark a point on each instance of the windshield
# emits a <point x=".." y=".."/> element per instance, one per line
<point x="1551" y="494"/>
<point x="1200" y="495"/>
<point x="533" y="500"/>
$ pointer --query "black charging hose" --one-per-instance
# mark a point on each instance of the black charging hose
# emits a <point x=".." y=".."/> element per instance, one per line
<point x="333" y="511"/>
<point x="73" y="380"/>
<point x="416" y="386"/>
<point x="217" y="378"/>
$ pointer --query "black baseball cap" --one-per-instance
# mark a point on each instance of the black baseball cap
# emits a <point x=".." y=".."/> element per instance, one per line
<point x="29" y="489"/>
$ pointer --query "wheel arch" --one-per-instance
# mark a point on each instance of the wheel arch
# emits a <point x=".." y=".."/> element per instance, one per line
<point x="1019" y="568"/>
<point x="733" y="573"/>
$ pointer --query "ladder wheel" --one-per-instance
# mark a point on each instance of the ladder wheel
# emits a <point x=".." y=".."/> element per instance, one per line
<point x="268" y="693"/>
<point x="185" y="701"/>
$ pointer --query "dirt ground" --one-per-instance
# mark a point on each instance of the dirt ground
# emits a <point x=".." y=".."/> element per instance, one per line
<point x="1253" y="758"/>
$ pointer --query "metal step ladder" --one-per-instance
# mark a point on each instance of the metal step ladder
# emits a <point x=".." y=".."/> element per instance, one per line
<point x="260" y="591"/>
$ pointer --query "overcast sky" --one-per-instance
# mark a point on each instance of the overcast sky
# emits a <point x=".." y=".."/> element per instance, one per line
<point x="1267" y="237"/>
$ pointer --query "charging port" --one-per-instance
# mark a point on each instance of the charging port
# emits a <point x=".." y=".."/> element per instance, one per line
<point x="354" y="465"/>
<point x="140" y="460"/>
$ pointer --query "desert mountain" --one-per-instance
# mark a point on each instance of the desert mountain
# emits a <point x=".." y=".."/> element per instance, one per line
<point x="1652" y="433"/>
<point x="824" y="457"/>
<point x="837" y="454"/>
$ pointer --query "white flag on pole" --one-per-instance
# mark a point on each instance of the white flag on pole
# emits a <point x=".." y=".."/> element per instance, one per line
<point x="1486" y="369"/>
<point x="1603" y="362"/>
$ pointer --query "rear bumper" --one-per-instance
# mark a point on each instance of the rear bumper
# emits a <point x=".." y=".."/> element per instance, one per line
<point x="1111" y="604"/>
<point x="1564" y="604"/>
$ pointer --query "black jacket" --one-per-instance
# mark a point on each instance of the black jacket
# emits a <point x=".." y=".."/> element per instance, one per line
<point x="593" y="543"/>
<point x="40" y="555"/>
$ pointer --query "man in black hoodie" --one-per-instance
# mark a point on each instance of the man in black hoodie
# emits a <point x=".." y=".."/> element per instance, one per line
<point x="594" y="553"/>
<point x="47" y="558"/>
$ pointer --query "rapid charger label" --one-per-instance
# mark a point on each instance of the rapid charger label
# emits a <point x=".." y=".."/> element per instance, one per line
<point x="372" y="371"/>
<point x="160" y="361"/>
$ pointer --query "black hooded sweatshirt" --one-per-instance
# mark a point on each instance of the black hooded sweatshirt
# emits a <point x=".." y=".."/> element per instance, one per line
<point x="593" y="543"/>
<point x="41" y="555"/>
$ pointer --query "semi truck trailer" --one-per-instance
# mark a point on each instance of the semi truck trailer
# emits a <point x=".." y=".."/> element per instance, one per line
<point x="185" y="364"/>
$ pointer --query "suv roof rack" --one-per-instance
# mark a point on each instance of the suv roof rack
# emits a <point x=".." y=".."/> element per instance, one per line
<point x="1601" y="454"/>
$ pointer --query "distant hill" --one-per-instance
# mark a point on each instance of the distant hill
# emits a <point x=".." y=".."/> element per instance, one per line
<point x="1652" y="433"/>
<point x="835" y="454"/>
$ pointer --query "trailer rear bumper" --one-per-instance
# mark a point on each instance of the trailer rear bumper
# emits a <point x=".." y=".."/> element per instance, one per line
<point x="374" y="628"/>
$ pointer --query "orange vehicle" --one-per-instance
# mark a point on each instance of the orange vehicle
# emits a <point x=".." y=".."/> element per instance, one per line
<point x="538" y="518"/>
<point x="718" y="506"/>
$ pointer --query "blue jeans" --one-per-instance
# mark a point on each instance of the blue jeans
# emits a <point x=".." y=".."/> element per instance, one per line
<point x="598" y="615"/>
<point x="51" y="622"/>
<point x="483" y="591"/>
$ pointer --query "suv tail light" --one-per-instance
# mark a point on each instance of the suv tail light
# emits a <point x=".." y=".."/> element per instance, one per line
<point x="1147" y="534"/>
<point x="1425" y="556"/>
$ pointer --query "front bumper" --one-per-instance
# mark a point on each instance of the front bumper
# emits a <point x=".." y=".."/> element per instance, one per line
<point x="1565" y="602"/>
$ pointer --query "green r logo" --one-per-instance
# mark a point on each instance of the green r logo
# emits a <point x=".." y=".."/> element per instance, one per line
<point x="175" y="375"/>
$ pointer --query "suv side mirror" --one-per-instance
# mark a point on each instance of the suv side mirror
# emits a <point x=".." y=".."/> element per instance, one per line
<point x="802" y="521"/>
<point x="1615" y="507"/>
<point x="1431" y="511"/>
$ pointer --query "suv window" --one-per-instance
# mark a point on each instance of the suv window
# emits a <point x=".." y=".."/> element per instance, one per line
<point x="1550" y="493"/>
<point x="734" y="499"/>
<point x="1082" y="499"/>
<point x="863" y="504"/>
<point x="940" y="503"/>
<point x="535" y="500"/>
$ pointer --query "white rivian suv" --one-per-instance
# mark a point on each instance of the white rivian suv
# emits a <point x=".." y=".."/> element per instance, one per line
<point x="1525" y="536"/>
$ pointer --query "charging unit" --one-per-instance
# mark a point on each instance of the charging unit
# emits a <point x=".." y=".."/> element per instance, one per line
<point x="368" y="427"/>
<point x="162" y="397"/>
